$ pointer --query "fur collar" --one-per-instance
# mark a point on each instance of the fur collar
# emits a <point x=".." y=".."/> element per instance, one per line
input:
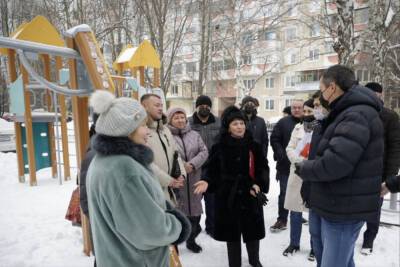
<point x="108" y="145"/>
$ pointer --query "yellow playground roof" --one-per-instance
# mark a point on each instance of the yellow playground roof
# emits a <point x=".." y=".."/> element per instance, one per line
<point x="38" y="30"/>
<point x="142" y="56"/>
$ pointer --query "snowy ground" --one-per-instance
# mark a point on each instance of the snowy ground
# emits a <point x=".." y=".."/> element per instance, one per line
<point x="33" y="231"/>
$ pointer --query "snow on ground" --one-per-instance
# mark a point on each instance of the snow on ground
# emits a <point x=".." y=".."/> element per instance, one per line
<point x="33" y="231"/>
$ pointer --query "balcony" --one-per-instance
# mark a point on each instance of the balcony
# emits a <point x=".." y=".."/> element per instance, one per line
<point x="303" y="87"/>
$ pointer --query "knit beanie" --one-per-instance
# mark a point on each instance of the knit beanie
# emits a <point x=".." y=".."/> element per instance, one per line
<point x="118" y="117"/>
<point x="230" y="114"/>
<point x="376" y="87"/>
<point x="203" y="100"/>
<point x="172" y="111"/>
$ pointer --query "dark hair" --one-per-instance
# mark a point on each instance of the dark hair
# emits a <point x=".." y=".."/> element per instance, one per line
<point x="309" y="103"/>
<point x="317" y="94"/>
<point x="376" y="87"/>
<point x="287" y="110"/>
<point x="341" y="75"/>
<point x="147" y="96"/>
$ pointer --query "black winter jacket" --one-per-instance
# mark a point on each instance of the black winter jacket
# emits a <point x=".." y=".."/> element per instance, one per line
<point x="391" y="126"/>
<point x="208" y="131"/>
<point x="346" y="173"/>
<point x="227" y="173"/>
<point x="279" y="140"/>
<point x="256" y="125"/>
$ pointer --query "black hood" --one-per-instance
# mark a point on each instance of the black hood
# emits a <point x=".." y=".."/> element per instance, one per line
<point x="357" y="95"/>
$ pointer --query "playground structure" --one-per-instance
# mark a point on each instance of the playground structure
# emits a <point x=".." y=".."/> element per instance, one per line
<point x="79" y="55"/>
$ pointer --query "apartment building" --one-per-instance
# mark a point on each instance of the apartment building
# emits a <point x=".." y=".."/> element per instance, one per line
<point x="273" y="50"/>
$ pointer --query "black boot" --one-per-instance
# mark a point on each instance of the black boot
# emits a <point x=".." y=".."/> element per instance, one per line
<point x="253" y="248"/>
<point x="290" y="250"/>
<point x="193" y="246"/>
<point x="191" y="242"/>
<point x="234" y="254"/>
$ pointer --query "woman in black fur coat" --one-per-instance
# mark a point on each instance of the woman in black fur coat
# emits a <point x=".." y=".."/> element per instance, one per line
<point x="238" y="174"/>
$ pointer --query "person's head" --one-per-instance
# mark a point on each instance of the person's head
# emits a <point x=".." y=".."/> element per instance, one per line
<point x="153" y="106"/>
<point x="119" y="117"/>
<point x="249" y="105"/>
<point x="377" y="88"/>
<point x="203" y="106"/>
<point x="177" y="118"/>
<point x="335" y="81"/>
<point x="287" y="111"/>
<point x="308" y="108"/>
<point x="296" y="108"/>
<point x="320" y="112"/>
<point x="233" y="122"/>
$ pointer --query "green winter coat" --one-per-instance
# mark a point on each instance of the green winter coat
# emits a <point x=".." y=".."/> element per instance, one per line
<point x="127" y="214"/>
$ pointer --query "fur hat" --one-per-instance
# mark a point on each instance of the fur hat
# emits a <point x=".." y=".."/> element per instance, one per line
<point x="248" y="98"/>
<point x="117" y="116"/>
<point x="230" y="114"/>
<point x="172" y="111"/>
<point x="203" y="100"/>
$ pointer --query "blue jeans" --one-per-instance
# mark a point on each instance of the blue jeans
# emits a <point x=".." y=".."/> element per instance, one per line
<point x="282" y="212"/>
<point x="333" y="242"/>
<point x="295" y="228"/>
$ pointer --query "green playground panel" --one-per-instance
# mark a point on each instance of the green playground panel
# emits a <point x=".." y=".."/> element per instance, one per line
<point x="41" y="143"/>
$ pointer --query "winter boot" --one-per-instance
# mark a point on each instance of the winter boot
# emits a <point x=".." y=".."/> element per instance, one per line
<point x="304" y="221"/>
<point x="290" y="250"/>
<point x="193" y="246"/>
<point x="311" y="256"/>
<point x="278" y="226"/>
<point x="366" y="251"/>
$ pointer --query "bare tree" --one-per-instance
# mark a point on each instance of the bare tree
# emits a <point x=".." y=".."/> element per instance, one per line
<point x="165" y="22"/>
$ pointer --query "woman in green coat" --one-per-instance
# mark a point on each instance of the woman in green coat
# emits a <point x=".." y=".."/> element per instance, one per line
<point x="130" y="218"/>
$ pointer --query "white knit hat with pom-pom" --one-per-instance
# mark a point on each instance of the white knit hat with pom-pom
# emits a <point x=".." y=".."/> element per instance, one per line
<point x="117" y="116"/>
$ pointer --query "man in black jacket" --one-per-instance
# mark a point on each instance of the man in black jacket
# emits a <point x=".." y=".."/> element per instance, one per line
<point x="255" y="124"/>
<point x="208" y="126"/>
<point x="391" y="161"/>
<point x="346" y="172"/>
<point x="279" y="140"/>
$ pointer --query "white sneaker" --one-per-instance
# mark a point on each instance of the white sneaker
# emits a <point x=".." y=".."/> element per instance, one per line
<point x="366" y="251"/>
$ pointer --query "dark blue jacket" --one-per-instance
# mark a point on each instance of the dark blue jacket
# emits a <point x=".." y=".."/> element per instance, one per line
<point x="346" y="173"/>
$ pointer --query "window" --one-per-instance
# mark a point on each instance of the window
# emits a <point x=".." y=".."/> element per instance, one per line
<point x="215" y="46"/>
<point x="292" y="58"/>
<point x="314" y="54"/>
<point x="329" y="47"/>
<point x="246" y="60"/>
<point x="288" y="102"/>
<point x="177" y="69"/>
<point x="229" y="64"/>
<point x="268" y="36"/>
<point x="290" y="81"/>
<point x="363" y="75"/>
<point x="217" y="65"/>
<point x="191" y="67"/>
<point x="249" y="84"/>
<point x="269" y="82"/>
<point x="361" y="15"/>
<point x="174" y="90"/>
<point x="314" y="6"/>
<point x="315" y="30"/>
<point x="247" y="38"/>
<point x="269" y="104"/>
<point x="268" y="11"/>
<point x="291" y="34"/>
<point x="291" y="9"/>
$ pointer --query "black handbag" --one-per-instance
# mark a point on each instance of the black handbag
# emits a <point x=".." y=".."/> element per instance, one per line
<point x="175" y="170"/>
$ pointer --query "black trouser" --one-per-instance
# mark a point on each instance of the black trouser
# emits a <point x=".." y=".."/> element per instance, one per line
<point x="209" y="204"/>
<point x="235" y="253"/>
<point x="195" y="222"/>
<point x="372" y="230"/>
<point x="282" y="212"/>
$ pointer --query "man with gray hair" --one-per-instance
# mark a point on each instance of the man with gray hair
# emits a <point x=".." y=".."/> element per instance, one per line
<point x="279" y="140"/>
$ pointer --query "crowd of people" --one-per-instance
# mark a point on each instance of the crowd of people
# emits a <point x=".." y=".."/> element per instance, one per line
<point x="145" y="174"/>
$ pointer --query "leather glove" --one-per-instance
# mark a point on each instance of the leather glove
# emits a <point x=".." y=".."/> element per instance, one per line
<point x="262" y="199"/>
<point x="298" y="167"/>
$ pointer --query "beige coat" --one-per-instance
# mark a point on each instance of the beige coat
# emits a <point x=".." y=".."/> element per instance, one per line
<point x="163" y="161"/>
<point x="293" y="200"/>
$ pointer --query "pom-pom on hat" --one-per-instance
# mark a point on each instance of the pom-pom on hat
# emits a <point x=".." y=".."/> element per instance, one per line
<point x="230" y="114"/>
<point x="117" y="116"/>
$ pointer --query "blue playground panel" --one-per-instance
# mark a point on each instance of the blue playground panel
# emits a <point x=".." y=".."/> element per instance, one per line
<point x="41" y="144"/>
